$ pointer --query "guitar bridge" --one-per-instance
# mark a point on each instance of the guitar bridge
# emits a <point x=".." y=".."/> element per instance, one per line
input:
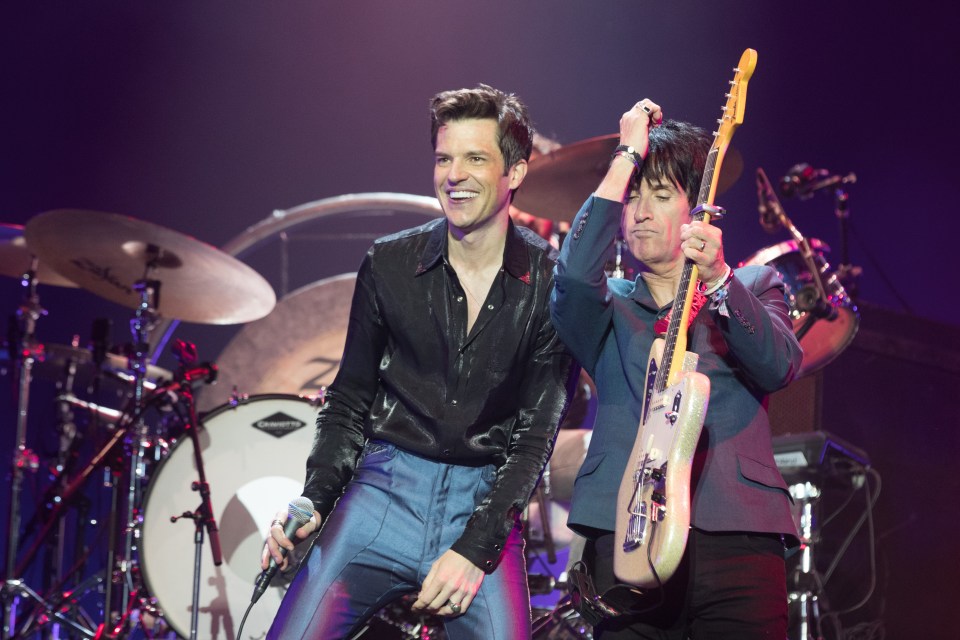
<point x="638" y="508"/>
<point x="637" y="523"/>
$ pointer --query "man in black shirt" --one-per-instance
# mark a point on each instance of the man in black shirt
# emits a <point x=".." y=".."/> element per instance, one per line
<point x="445" y="409"/>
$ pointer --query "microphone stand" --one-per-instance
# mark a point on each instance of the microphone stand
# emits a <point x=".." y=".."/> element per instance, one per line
<point x="203" y="517"/>
<point x="846" y="271"/>
<point x="821" y="307"/>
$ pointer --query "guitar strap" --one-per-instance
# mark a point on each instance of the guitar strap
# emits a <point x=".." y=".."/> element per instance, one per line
<point x="696" y="303"/>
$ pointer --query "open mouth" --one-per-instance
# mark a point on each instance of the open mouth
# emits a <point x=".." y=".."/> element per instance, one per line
<point x="461" y="196"/>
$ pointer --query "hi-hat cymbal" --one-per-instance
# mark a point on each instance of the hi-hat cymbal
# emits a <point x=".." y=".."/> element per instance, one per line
<point x="558" y="182"/>
<point x="107" y="253"/>
<point x="54" y="360"/>
<point x="15" y="258"/>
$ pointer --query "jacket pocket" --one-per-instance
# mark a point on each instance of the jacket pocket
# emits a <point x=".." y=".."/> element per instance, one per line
<point x="760" y="473"/>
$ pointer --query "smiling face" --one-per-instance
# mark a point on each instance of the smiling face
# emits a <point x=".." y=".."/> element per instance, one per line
<point x="651" y="224"/>
<point x="469" y="176"/>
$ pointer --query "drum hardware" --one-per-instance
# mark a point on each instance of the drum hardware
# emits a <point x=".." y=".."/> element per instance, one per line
<point x="29" y="351"/>
<point x="825" y="320"/>
<point x="51" y="613"/>
<point x="562" y="623"/>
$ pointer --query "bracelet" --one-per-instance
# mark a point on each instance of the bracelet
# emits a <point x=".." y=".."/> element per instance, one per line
<point x="722" y="283"/>
<point x="630" y="154"/>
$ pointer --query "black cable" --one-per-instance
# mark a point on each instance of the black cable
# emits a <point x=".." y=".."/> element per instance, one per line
<point x="244" y="619"/>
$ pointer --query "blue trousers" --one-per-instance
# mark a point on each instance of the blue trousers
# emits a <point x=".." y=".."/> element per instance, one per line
<point x="398" y="515"/>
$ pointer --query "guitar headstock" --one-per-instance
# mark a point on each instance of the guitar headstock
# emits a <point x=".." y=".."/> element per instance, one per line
<point x="732" y="117"/>
<point x="736" y="98"/>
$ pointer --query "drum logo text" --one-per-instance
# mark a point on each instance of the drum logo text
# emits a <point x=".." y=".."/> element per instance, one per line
<point x="279" y="424"/>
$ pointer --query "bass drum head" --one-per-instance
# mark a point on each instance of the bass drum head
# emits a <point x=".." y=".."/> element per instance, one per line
<point x="254" y="457"/>
<point x="822" y="339"/>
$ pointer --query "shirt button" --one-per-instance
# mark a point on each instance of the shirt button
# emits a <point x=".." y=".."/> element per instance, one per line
<point x="459" y="298"/>
<point x="447" y="452"/>
<point x="453" y="402"/>
<point x="490" y="306"/>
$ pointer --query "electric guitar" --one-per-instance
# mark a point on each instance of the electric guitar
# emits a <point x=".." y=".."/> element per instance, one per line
<point x="653" y="506"/>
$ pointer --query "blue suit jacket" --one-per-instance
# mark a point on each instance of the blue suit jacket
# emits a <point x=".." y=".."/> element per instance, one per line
<point x="608" y="325"/>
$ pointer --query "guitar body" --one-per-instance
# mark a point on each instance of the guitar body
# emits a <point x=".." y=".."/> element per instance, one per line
<point x="653" y="504"/>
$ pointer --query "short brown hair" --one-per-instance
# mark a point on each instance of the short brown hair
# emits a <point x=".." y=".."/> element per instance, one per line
<point x="485" y="102"/>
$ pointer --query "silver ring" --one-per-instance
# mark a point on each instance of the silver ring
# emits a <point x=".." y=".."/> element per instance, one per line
<point x="646" y="109"/>
<point x="454" y="606"/>
<point x="703" y="245"/>
<point x="276" y="523"/>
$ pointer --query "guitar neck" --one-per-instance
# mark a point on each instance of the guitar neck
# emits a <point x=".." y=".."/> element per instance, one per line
<point x="676" y="338"/>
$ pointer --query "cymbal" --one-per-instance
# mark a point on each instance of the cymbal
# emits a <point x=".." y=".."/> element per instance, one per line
<point x="107" y="253"/>
<point x="558" y="182"/>
<point x="15" y="258"/>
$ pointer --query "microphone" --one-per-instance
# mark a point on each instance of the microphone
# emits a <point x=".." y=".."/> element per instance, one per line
<point x="802" y="181"/>
<point x="771" y="213"/>
<point x="299" y="512"/>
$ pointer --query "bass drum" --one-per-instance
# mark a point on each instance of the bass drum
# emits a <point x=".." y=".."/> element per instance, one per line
<point x="822" y="339"/>
<point x="254" y="456"/>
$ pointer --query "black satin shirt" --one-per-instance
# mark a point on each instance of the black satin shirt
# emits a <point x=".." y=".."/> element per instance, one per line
<point x="413" y="376"/>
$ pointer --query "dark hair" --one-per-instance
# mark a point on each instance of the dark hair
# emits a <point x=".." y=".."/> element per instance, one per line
<point x="485" y="102"/>
<point x="677" y="154"/>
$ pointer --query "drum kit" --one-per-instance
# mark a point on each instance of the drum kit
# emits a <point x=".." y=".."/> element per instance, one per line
<point x="157" y="273"/>
<point x="158" y="462"/>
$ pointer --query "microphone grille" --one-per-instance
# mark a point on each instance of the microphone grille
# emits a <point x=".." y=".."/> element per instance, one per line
<point x="300" y="509"/>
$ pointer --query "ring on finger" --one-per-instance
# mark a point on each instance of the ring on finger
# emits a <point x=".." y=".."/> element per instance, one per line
<point x="454" y="606"/>
<point x="703" y="245"/>
<point x="277" y="522"/>
<point x="647" y="110"/>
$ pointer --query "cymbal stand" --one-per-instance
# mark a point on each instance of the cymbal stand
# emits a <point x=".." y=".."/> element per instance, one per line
<point x="125" y="568"/>
<point x="202" y="517"/>
<point x="29" y="352"/>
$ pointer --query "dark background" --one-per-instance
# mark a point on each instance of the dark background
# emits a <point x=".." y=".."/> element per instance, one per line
<point x="207" y="117"/>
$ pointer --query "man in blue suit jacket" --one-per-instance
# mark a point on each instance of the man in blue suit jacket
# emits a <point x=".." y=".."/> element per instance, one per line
<point x="731" y="581"/>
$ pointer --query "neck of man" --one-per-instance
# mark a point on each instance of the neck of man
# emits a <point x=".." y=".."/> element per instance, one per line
<point x="480" y="247"/>
<point x="663" y="281"/>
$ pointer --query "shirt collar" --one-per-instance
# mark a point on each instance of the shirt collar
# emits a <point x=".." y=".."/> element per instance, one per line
<point x="516" y="260"/>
